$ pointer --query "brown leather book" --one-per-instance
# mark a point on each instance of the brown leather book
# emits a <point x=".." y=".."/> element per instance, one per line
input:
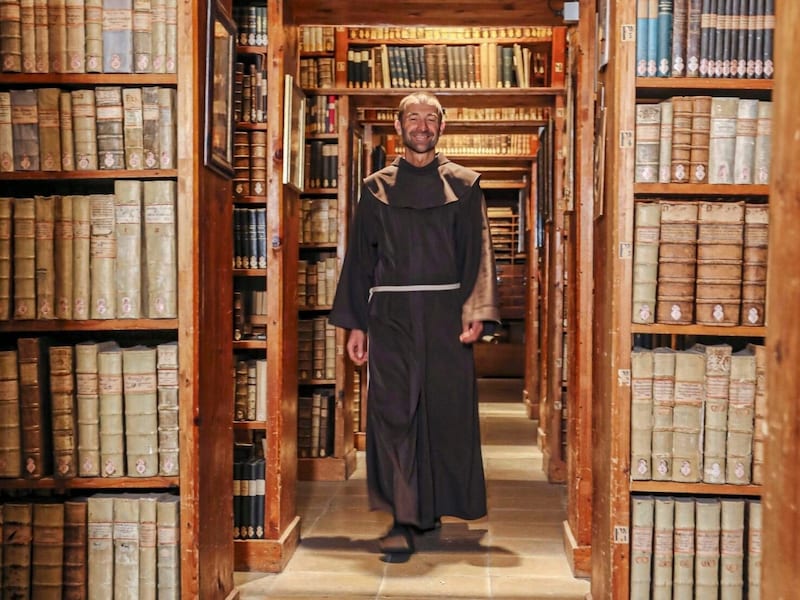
<point x="63" y="413"/>
<point x="10" y="441"/>
<point x="17" y="538"/>
<point x="34" y="396"/>
<point x="75" y="540"/>
<point x="48" y="550"/>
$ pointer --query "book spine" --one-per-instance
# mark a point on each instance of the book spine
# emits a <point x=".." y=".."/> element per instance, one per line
<point x="47" y="550"/>
<point x="168" y="403"/>
<point x="57" y="35"/>
<point x="24" y="267"/>
<point x="168" y="545"/>
<point x="81" y="256"/>
<point x="171" y="36"/>
<point x="701" y="125"/>
<point x="158" y="35"/>
<point x="117" y="19"/>
<point x="110" y="393"/>
<point x="148" y="557"/>
<point x="128" y="222"/>
<point x="679" y="38"/>
<point x="754" y="518"/>
<point x="93" y="18"/>
<point x="707" y="532"/>
<point x="34" y="406"/>
<point x="769" y="39"/>
<point x="150" y="126"/>
<point x="6" y="256"/>
<point x="41" y="37"/>
<point x="745" y="144"/>
<point x="645" y="260"/>
<point x="49" y="129"/>
<point x="141" y="410"/>
<point x="103" y="255"/>
<point x="109" y="127"/>
<point x="25" y="129"/>
<point x="693" y="37"/>
<point x="17" y="546"/>
<point x="664" y="40"/>
<point x="45" y="257"/>
<point x="100" y="554"/>
<point x="63" y="234"/>
<point x="708" y="20"/>
<point x="6" y="134"/>
<point x="663" y="548"/>
<point x="160" y="266"/>
<point x="84" y="129"/>
<point x="10" y="440"/>
<point x="166" y="128"/>
<point x="683" y="549"/>
<point x="648" y="125"/>
<point x="88" y="406"/>
<point x="722" y="142"/>
<point x="10" y="37"/>
<point x="132" y="119"/>
<point x="142" y="24"/>
<point x="665" y="143"/>
<point x="75" y="549"/>
<point x="642" y="508"/>
<point x="63" y="413"/>
<point x="125" y="536"/>
<point x="75" y="61"/>
<point x="65" y="128"/>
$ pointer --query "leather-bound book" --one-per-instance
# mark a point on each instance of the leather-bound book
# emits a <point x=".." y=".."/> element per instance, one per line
<point x="112" y="424"/>
<point x="84" y="128"/>
<point x="128" y="223"/>
<point x="110" y="127"/>
<point x="100" y="529"/>
<point x="45" y="258"/>
<point x="88" y="405"/>
<point x="49" y="129"/>
<point x="103" y="257"/>
<point x="65" y="129"/>
<point x="169" y="547"/>
<point x="141" y="410"/>
<point x="75" y="548"/>
<point x="63" y="412"/>
<point x="677" y="257"/>
<point x="34" y="397"/>
<point x="10" y="433"/>
<point x="24" y="248"/>
<point x="17" y="546"/>
<point x="159" y="279"/>
<point x="6" y="256"/>
<point x="63" y="258"/>
<point x="81" y="256"/>
<point x="126" y="547"/>
<point x="47" y="563"/>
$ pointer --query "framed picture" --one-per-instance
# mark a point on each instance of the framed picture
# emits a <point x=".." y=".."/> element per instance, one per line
<point x="294" y="133"/>
<point x="220" y="49"/>
<point x="603" y="15"/>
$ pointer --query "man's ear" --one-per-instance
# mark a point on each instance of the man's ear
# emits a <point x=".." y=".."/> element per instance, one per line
<point x="441" y="128"/>
<point x="397" y="127"/>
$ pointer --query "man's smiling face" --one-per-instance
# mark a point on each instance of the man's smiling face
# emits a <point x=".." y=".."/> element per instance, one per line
<point x="420" y="127"/>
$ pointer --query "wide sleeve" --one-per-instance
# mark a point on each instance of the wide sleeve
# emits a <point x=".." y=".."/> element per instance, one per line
<point x="479" y="272"/>
<point x="350" y="304"/>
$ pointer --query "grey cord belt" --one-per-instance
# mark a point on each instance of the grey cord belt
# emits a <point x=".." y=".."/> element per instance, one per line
<point x="423" y="287"/>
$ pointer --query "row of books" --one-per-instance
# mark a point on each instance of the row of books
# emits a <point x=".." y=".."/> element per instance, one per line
<point x="250" y="91"/>
<point x="704" y="139"/>
<point x="250" y="390"/>
<point x="251" y="23"/>
<point x="472" y="66"/>
<point x="249" y="314"/>
<point x="114" y="546"/>
<point x="447" y="34"/>
<point x="89" y="36"/>
<point x="478" y="144"/>
<point x="249" y="485"/>
<point x="705" y="38"/>
<point x="316" y="280"/>
<point x="317" y="72"/>
<point x="90" y="410"/>
<point x="704" y="547"/>
<point x="317" y="38"/>
<point x="698" y="414"/>
<point x="322" y="115"/>
<point x="468" y="114"/>
<point x="249" y="238"/>
<point x="700" y="262"/>
<point x="316" y="349"/>
<point x="315" y="423"/>
<point x="101" y="256"/>
<point x="322" y="164"/>
<point x="249" y="163"/>
<point x="319" y="220"/>
<point x="108" y="127"/>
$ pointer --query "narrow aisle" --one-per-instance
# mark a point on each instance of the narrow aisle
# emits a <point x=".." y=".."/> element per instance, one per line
<point x="514" y="553"/>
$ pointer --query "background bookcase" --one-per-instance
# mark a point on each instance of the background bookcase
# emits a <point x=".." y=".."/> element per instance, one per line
<point x="615" y="542"/>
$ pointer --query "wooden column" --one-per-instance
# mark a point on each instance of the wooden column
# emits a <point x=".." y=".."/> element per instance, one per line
<point x="781" y="542"/>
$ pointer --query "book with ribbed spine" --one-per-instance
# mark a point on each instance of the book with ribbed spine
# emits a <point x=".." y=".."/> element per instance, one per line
<point x="663" y="404"/>
<point x="731" y="548"/>
<point x="109" y="127"/>
<point x="166" y="127"/>
<point x="10" y="37"/>
<point x="142" y="36"/>
<point x="754" y="264"/>
<point x="648" y="122"/>
<point x="24" y="266"/>
<point x="6" y="256"/>
<point x="103" y="257"/>
<point x="47" y="560"/>
<point x="87" y="393"/>
<point x="760" y="413"/>
<point x="25" y="129"/>
<point x="715" y="423"/>
<point x="57" y="35"/>
<point x="171" y="35"/>
<point x="49" y="129"/>
<point x="168" y="406"/>
<point x="94" y="35"/>
<point x="75" y="37"/>
<point x="687" y="416"/>
<point x="126" y="547"/>
<point x="63" y="240"/>
<point x="148" y="555"/>
<point x="694" y="29"/>
<point x="168" y="547"/>
<point x="34" y="400"/>
<point x="665" y="143"/>
<point x="110" y="393"/>
<point x="100" y="554"/>
<point x="150" y="127"/>
<point x="41" y="37"/>
<point x="63" y="412"/>
<point x="642" y="509"/>
<point x="10" y="438"/>
<point x="117" y="36"/>
<point x="84" y="129"/>
<point x="67" y="137"/>
<point x="745" y="144"/>
<point x="75" y="549"/>
<point x="707" y="538"/>
<point x="128" y="223"/>
<point x="141" y="410"/>
<point x="6" y="134"/>
<point x="133" y="127"/>
<point x="159" y="280"/>
<point x="681" y="138"/>
<point x="763" y="148"/>
<point x="81" y="256"/>
<point x="17" y="546"/>
<point x="741" y="411"/>
<point x="722" y="142"/>
<point x="683" y="549"/>
<point x="754" y="520"/>
<point x="158" y="35"/>
<point x="700" y="139"/>
<point x="645" y="260"/>
<point x="45" y="258"/>
<point x="663" y="551"/>
<point x="677" y="66"/>
<point x="677" y="256"/>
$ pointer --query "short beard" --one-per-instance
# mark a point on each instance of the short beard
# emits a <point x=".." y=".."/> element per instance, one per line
<point x="413" y="147"/>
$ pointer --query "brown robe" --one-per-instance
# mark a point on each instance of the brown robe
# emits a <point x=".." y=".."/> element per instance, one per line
<point x="420" y="226"/>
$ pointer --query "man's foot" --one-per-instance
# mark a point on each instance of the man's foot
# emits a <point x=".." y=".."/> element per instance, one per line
<point x="398" y="541"/>
<point x="437" y="524"/>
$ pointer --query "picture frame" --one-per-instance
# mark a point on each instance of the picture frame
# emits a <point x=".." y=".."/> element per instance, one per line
<point x="603" y="23"/>
<point x="220" y="55"/>
<point x="294" y="132"/>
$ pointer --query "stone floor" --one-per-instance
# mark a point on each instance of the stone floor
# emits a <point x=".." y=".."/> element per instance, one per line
<point x="516" y="552"/>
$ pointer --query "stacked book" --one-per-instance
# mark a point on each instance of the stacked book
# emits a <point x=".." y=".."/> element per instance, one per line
<point x="249" y="486"/>
<point x="89" y="410"/>
<point x="89" y="36"/>
<point x="319" y="221"/>
<point x="511" y="144"/>
<point x="710" y="265"/>
<point x="250" y="164"/>
<point x="251" y="23"/>
<point x="322" y="164"/>
<point x="250" y="90"/>
<point x="249" y="314"/>
<point x="686" y="547"/>
<point x="250" y="390"/>
<point x="317" y="72"/>
<point x="108" y="127"/>
<point x="322" y="115"/>
<point x="315" y="423"/>
<point x="249" y="237"/>
<point x="316" y="281"/>
<point x="115" y="546"/>
<point x="694" y="413"/>
<point x="98" y="256"/>
<point x="705" y="38"/>
<point x="316" y="351"/>
<point x="703" y="139"/>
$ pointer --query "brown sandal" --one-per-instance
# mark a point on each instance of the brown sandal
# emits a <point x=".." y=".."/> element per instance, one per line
<point x="398" y="541"/>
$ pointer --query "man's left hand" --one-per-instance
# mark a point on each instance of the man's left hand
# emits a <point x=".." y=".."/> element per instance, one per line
<point x="471" y="333"/>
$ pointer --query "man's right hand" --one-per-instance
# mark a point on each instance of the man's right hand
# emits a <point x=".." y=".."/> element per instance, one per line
<point x="357" y="346"/>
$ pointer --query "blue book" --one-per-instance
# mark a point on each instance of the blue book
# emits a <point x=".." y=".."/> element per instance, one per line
<point x="652" y="38"/>
<point x="117" y="36"/>
<point x="642" y="26"/>
<point x="664" y="40"/>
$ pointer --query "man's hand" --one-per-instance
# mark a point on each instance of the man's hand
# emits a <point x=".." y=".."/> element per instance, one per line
<point x="357" y="346"/>
<point x="472" y="332"/>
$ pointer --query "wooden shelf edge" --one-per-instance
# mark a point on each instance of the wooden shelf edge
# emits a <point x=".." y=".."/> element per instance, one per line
<point x="90" y="483"/>
<point x="89" y="175"/>
<point x="247" y="425"/>
<point x="397" y="92"/>
<point x="697" y="329"/>
<point x="703" y="83"/>
<point x="701" y="189"/>
<point x="53" y="79"/>
<point x="331" y="468"/>
<point x="360" y="440"/>
<point x="267" y="556"/>
<point x="56" y="325"/>
<point x="578" y="557"/>
<point x="674" y="487"/>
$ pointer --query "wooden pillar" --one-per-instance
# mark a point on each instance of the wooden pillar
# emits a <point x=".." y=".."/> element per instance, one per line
<point x="780" y="542"/>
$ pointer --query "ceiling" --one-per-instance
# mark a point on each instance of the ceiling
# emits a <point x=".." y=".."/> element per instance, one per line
<point x="424" y="12"/>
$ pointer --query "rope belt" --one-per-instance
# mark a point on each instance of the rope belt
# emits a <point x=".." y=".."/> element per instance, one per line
<point x="424" y="287"/>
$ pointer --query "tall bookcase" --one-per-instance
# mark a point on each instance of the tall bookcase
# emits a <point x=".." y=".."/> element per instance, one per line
<point x="623" y="488"/>
<point x="203" y="443"/>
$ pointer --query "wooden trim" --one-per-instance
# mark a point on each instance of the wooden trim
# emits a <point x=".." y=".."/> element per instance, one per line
<point x="268" y="555"/>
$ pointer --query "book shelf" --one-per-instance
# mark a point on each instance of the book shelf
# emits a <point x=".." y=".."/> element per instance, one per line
<point x="653" y="472"/>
